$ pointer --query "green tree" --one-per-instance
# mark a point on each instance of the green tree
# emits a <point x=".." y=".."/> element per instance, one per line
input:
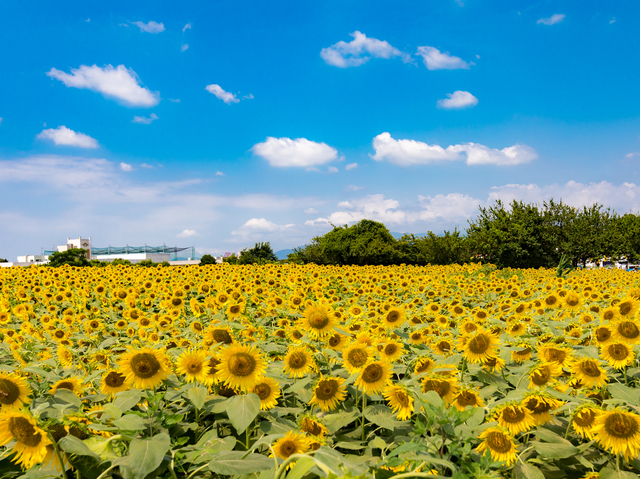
<point x="365" y="243"/>
<point x="261" y="253"/>
<point x="207" y="259"/>
<point x="2" y="260"/>
<point x="72" y="257"/>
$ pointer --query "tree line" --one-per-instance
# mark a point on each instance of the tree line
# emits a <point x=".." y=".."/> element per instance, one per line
<point x="517" y="235"/>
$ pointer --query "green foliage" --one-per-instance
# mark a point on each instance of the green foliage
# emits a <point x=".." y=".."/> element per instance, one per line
<point x="2" y="260"/>
<point x="261" y="253"/>
<point x="71" y="257"/>
<point x="207" y="259"/>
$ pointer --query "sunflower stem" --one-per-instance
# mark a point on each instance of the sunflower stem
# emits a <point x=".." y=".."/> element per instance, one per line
<point x="57" y="451"/>
<point x="364" y="404"/>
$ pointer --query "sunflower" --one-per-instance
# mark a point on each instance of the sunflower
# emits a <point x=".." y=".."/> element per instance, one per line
<point x="522" y="354"/>
<point x="193" y="364"/>
<point x="72" y="384"/>
<point x="494" y="364"/>
<point x="400" y="401"/>
<point x="627" y="331"/>
<point x="292" y="443"/>
<point x="540" y="406"/>
<point x="543" y="374"/>
<point x="312" y="426"/>
<point x="268" y="390"/>
<point x="467" y="397"/>
<point x="610" y="314"/>
<point x="328" y="392"/>
<point x="423" y="365"/>
<point x="589" y="372"/>
<point x="447" y="388"/>
<point x="603" y="334"/>
<point x="391" y="351"/>
<point x="619" y="432"/>
<point x="355" y="356"/>
<point x="374" y="376"/>
<point x="514" y="417"/>
<point x="479" y="346"/>
<point x="584" y="419"/>
<point x="337" y="341"/>
<point x="555" y="354"/>
<point x="618" y="355"/>
<point x="240" y="366"/>
<point x="113" y="382"/>
<point x="14" y="390"/>
<point x="628" y="307"/>
<point x="572" y="301"/>
<point x="234" y="311"/>
<point x="218" y="334"/>
<point x="298" y="362"/>
<point x="144" y="368"/>
<point x="394" y="318"/>
<point x="442" y="347"/>
<point x="499" y="444"/>
<point x="31" y="441"/>
<point x="318" y="321"/>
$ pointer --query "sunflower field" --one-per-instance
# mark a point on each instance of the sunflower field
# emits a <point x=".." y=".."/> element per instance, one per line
<point x="288" y="371"/>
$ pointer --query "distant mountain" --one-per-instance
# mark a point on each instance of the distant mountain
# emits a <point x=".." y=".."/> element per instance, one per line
<point x="283" y="253"/>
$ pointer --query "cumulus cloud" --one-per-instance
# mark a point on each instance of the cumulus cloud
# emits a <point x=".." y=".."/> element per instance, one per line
<point x="186" y="27"/>
<point x="145" y="120"/>
<point x="359" y="51"/>
<point x="64" y="136"/>
<point x="374" y="207"/>
<point x="151" y="27"/>
<point x="451" y="206"/>
<point x="187" y="234"/>
<point x="174" y="100"/>
<point x="225" y="96"/>
<point x="412" y="152"/>
<point x="354" y="188"/>
<point x="458" y="100"/>
<point x="219" y="173"/>
<point x="351" y="166"/>
<point x="248" y="97"/>
<point x="552" y="20"/>
<point x="434" y="59"/>
<point x="300" y="152"/>
<point x="126" y="167"/>
<point x="255" y="227"/>
<point x="632" y="154"/>
<point x="145" y="165"/>
<point x="120" y="83"/>
<point x="184" y="47"/>
<point x="332" y="169"/>
<point x="311" y="211"/>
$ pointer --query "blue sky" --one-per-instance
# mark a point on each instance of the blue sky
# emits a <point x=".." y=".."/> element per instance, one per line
<point x="220" y="124"/>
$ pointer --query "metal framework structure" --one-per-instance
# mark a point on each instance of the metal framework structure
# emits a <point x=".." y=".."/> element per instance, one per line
<point x="173" y="250"/>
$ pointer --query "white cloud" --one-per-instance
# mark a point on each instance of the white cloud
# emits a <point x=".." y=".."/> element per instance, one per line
<point x="126" y="167"/>
<point x="374" y="207"/>
<point x="458" y="100"/>
<point x="67" y="137"/>
<point x="351" y="166"/>
<point x="256" y="227"/>
<point x="174" y="100"/>
<point x="120" y="83"/>
<point x="145" y="120"/>
<point x="300" y="152"/>
<point x="354" y="188"/>
<point x="613" y="20"/>
<point x="632" y="154"/>
<point x="184" y="47"/>
<point x="88" y="20"/>
<point x="311" y="211"/>
<point x="249" y="96"/>
<point x="1" y="120"/>
<point x="219" y="173"/>
<point x="411" y="152"/>
<point x="552" y="20"/>
<point x="434" y="59"/>
<point x="451" y="206"/>
<point x="187" y="234"/>
<point x="359" y="50"/>
<point x="149" y="167"/>
<point x="332" y="169"/>
<point x="186" y="27"/>
<point x="151" y="27"/>
<point x="225" y="96"/>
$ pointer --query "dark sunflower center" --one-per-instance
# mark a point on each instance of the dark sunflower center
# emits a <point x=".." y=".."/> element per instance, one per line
<point x="625" y="308"/>
<point x="221" y="336"/>
<point x="213" y="366"/>
<point x="194" y="366"/>
<point x="59" y="334"/>
<point x="287" y="448"/>
<point x="585" y="418"/>
<point x="444" y="346"/>
<point x="297" y="360"/>
<point x="263" y="391"/>
<point x="523" y="352"/>
<point x="621" y="426"/>
<point x="242" y="364"/>
<point x="513" y="415"/>
<point x="537" y="407"/>
<point x="145" y="322"/>
<point x="372" y="373"/>
<point x="480" y="344"/>
<point x="467" y="398"/>
<point x="519" y="309"/>
<point x="555" y="355"/>
<point x="550" y="300"/>
<point x="591" y="369"/>
<point x="311" y="427"/>
<point x="390" y="349"/>
<point x="416" y="336"/>
<point x="393" y="316"/>
<point x="9" y="391"/>
<point x="114" y="379"/>
<point x="618" y="351"/>
<point x="440" y="386"/>
<point x="425" y="366"/>
<point x="628" y="330"/>
<point x="327" y="389"/>
<point x="499" y="442"/>
<point x="572" y="301"/>
<point x="235" y="309"/>
<point x="602" y="334"/>
<point x="334" y="340"/>
<point x="357" y="357"/>
<point x="145" y="365"/>
<point x="297" y="301"/>
<point x="65" y="385"/>
<point x="318" y="320"/>
<point x="223" y="298"/>
<point x="24" y="431"/>
<point x="481" y="315"/>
